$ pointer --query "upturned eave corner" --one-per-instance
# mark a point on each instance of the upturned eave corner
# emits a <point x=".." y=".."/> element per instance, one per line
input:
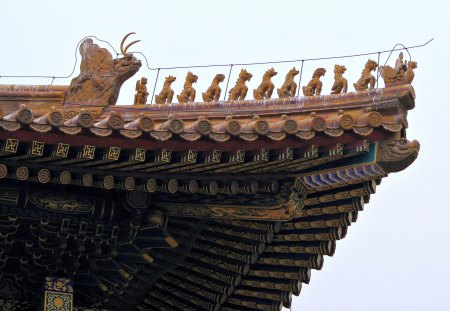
<point x="396" y="154"/>
<point x="209" y="205"/>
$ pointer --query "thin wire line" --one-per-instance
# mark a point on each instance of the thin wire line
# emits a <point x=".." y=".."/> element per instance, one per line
<point x="393" y="49"/>
<point x="378" y="63"/>
<point x="74" y="65"/>
<point x="216" y="65"/>
<point x="290" y="61"/>
<point x="154" y="87"/>
<point x="300" y="79"/>
<point x="228" y="80"/>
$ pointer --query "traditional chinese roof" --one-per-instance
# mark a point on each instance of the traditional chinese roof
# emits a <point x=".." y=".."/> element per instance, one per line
<point x="247" y="120"/>
<point x="191" y="206"/>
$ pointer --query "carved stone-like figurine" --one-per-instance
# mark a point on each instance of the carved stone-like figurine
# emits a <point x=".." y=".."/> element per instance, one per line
<point x="213" y="91"/>
<point x="239" y="91"/>
<point x="399" y="63"/>
<point x="367" y="80"/>
<point x="140" y="98"/>
<point x="166" y="94"/>
<point x="401" y="74"/>
<point x="101" y="76"/>
<point x="266" y="87"/>
<point x="340" y="83"/>
<point x="314" y="86"/>
<point x="188" y="93"/>
<point x="409" y="75"/>
<point x="392" y="76"/>
<point x="289" y="87"/>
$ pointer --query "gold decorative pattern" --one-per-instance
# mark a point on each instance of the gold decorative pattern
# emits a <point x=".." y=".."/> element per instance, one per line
<point x="216" y="156"/>
<point x="58" y="284"/>
<point x="87" y="180"/>
<point x="108" y="182"/>
<point x="11" y="145"/>
<point x="3" y="171"/>
<point x="227" y="212"/>
<point x="44" y="176"/>
<point x="129" y="183"/>
<point x="58" y="294"/>
<point x="191" y="156"/>
<point x="60" y="202"/>
<point x="22" y="173"/>
<point x="37" y="148"/>
<point x="58" y="302"/>
<point x="88" y="152"/>
<point x="65" y="177"/>
<point x="166" y="155"/>
<point x="113" y="153"/>
<point x="62" y="150"/>
<point x="139" y="155"/>
<point x="151" y="185"/>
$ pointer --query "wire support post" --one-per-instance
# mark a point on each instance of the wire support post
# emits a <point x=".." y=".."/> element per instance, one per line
<point x="228" y="81"/>
<point x="154" y="86"/>
<point x="378" y="63"/>
<point x="300" y="79"/>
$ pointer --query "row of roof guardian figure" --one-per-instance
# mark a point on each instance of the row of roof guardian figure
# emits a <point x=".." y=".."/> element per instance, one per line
<point x="403" y="73"/>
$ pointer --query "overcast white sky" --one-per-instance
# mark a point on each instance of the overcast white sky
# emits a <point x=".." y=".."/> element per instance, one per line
<point x="397" y="256"/>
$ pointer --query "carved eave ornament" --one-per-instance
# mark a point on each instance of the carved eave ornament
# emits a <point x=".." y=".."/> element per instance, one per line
<point x="395" y="155"/>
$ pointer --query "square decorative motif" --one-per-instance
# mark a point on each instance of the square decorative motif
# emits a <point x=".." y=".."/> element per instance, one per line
<point x="57" y="284"/>
<point x="88" y="152"/>
<point x="139" y="155"/>
<point x="113" y="153"/>
<point x="11" y="145"/>
<point x="58" y="302"/>
<point x="37" y="148"/>
<point x="240" y="156"/>
<point x="217" y="154"/>
<point x="192" y="156"/>
<point x="62" y="150"/>
<point x="165" y="155"/>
